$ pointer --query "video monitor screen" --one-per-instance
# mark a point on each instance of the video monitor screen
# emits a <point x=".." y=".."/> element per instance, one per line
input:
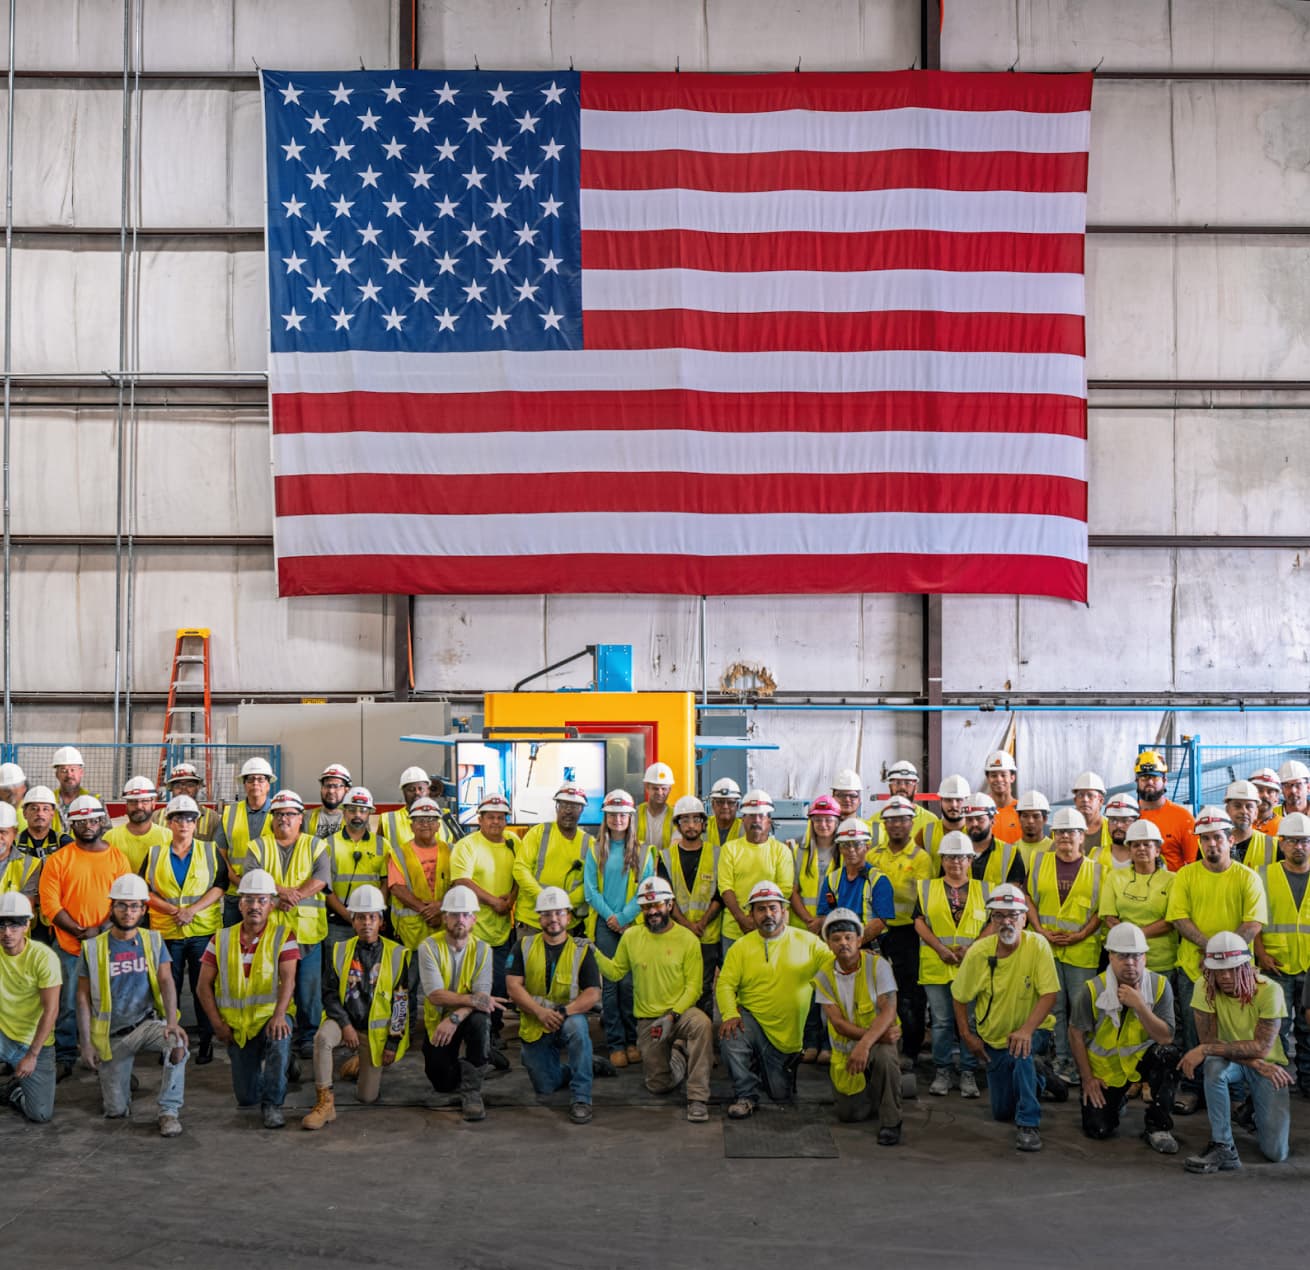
<point x="528" y="773"/>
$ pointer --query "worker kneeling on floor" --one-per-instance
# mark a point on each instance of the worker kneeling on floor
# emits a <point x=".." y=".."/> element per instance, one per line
<point x="124" y="1006"/>
<point x="858" y="996"/>
<point x="30" y="987"/>
<point x="365" y="1006"/>
<point x="553" y="980"/>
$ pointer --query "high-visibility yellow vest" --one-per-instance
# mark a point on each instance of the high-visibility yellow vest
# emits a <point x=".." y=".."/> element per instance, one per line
<point x="809" y="880"/>
<point x="1000" y="859"/>
<point x="717" y="839"/>
<point x="391" y="976"/>
<point x="246" y="1004"/>
<point x="1261" y="849"/>
<point x="933" y="833"/>
<point x="695" y="902"/>
<point x="201" y="873"/>
<point x="565" y="870"/>
<point x="832" y="881"/>
<point x="563" y="986"/>
<point x="937" y="913"/>
<point x="1114" y="1052"/>
<point x="17" y="871"/>
<point x="666" y="833"/>
<point x="309" y="921"/>
<point x="866" y="1009"/>
<point x="904" y="869"/>
<point x="97" y="958"/>
<point x="476" y="954"/>
<point x="1083" y="900"/>
<point x="236" y="826"/>
<point x="922" y="819"/>
<point x="136" y="848"/>
<point x="411" y="926"/>
<point x="1286" y="935"/>
<point x="362" y="863"/>
<point x="1028" y="849"/>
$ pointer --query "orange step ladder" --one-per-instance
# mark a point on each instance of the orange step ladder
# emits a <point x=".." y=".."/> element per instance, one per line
<point x="185" y="694"/>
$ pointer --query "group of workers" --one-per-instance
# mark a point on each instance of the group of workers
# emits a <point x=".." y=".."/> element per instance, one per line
<point x="1116" y="947"/>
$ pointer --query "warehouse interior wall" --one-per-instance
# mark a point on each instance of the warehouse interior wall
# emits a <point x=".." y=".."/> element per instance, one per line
<point x="1198" y="293"/>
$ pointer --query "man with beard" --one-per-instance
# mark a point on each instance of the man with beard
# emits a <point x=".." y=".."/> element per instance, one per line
<point x="357" y="857"/>
<point x="1271" y="794"/>
<point x="184" y="779"/>
<point x="757" y="856"/>
<point x="654" y="824"/>
<point x="691" y="868"/>
<point x="1011" y="980"/>
<point x="241" y="825"/>
<point x="395" y="826"/>
<point x="1119" y="814"/>
<point x="39" y="838"/>
<point x="29" y="1004"/>
<point x="763" y="994"/>
<point x="1121" y="1031"/>
<point x="994" y="861"/>
<point x="327" y="818"/>
<point x="552" y="855"/>
<point x="952" y="794"/>
<point x="69" y="768"/>
<point x="725" y="798"/>
<point x="1089" y="797"/>
<point x="1294" y="778"/>
<point x="1251" y="846"/>
<point x="1173" y="821"/>
<point x="139" y="834"/>
<point x="903" y="782"/>
<point x="126" y="1003"/>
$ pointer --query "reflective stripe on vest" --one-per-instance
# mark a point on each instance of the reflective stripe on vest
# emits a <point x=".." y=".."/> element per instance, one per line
<point x="201" y="874"/>
<point x="825" y="980"/>
<point x="475" y="957"/>
<point x="247" y="1002"/>
<point x="345" y="882"/>
<point x="17" y="871"/>
<point x="97" y="956"/>
<point x="309" y="920"/>
<point x="1053" y="921"/>
<point x="693" y="903"/>
<point x="563" y="986"/>
<point x="236" y="828"/>
<point x="391" y="972"/>
<point x="1115" y="1048"/>
<point x="1287" y="942"/>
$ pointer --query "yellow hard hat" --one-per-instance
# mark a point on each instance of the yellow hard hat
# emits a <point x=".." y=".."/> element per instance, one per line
<point x="1150" y="762"/>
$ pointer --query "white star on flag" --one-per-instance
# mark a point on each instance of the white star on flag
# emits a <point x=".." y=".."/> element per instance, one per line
<point x="293" y="320"/>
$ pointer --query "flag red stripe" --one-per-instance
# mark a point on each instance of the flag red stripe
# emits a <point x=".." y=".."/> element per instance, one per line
<point x="693" y="492"/>
<point x="749" y="94"/>
<point x="806" y="170"/>
<point x="676" y="408"/>
<point x="836" y="332"/>
<point x="892" y="249"/>
<point x="682" y="575"/>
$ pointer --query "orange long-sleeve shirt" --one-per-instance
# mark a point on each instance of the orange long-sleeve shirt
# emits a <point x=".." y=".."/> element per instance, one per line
<point x="1175" y="824"/>
<point x="78" y="882"/>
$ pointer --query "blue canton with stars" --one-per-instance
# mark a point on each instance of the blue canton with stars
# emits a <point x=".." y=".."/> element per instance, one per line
<point x="423" y="212"/>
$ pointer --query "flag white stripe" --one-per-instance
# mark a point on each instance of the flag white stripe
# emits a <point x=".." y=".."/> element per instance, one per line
<point x="805" y="291"/>
<point x="835" y="212"/>
<point x="845" y="131"/>
<point x="698" y="534"/>
<point x="679" y="450"/>
<point x="697" y="370"/>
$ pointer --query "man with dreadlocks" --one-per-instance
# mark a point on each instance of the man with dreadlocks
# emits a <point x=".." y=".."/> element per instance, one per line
<point x="1237" y="1023"/>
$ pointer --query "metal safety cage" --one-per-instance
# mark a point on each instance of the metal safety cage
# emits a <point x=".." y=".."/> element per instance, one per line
<point x="1199" y="774"/>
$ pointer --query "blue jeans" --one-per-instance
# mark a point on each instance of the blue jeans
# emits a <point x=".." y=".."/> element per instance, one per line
<point x="1273" y="1110"/>
<point x="185" y="957"/>
<point x="37" y="1096"/>
<point x="116" y="1075"/>
<point x="944" y="1038"/>
<point x="752" y="1059"/>
<point x="1015" y="1085"/>
<point x="615" y="998"/>
<point x="259" y="1070"/>
<point x="499" y="964"/>
<point x="542" y="1059"/>
<point x="1292" y="1029"/>
<point x="309" y="997"/>
<point x="66" y="1021"/>
<point x="1073" y="981"/>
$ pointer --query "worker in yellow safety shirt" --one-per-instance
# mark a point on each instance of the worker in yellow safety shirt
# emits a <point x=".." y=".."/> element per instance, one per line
<point x="1210" y="895"/>
<point x="654" y="824"/>
<point x="724" y="824"/>
<point x="333" y="786"/>
<point x="1140" y="894"/>
<point x="1114" y="852"/>
<point x="858" y="997"/>
<point x="1282" y="948"/>
<point x="356" y="857"/>
<point x="1251" y="846"/>
<point x="395" y="826"/>
<point x="242" y="823"/>
<point x="1089" y="799"/>
<point x="552" y="854"/>
<point x="1033" y="809"/>
<point x="763" y="993"/>
<point x="903" y="782"/>
<point x="139" y="834"/>
<point x="691" y="867"/>
<point x="754" y="857"/>
<point x="184" y="779"/>
<point x="952" y="795"/>
<point x="29" y="1005"/>
<point x="1064" y="906"/>
<point x="1002" y="784"/>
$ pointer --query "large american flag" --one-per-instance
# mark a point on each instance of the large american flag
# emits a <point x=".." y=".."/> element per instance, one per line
<point x="691" y="334"/>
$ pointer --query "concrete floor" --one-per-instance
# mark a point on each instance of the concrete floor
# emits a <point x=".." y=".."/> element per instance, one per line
<point x="388" y="1185"/>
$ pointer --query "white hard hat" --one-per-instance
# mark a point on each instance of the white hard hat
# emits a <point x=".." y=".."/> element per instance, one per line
<point x="15" y="904"/>
<point x="1033" y="800"/>
<point x="1000" y="761"/>
<point x="853" y="829"/>
<point x="897" y="806"/>
<point x="953" y="787"/>
<point x="654" y="890"/>
<point x="11" y="775"/>
<point x="68" y="756"/>
<point x="336" y="771"/>
<point x="956" y="843"/>
<point x="1068" y="818"/>
<point x="618" y="801"/>
<point x="181" y="805"/>
<point x="552" y="899"/>
<point x="130" y="886"/>
<point x="847" y="779"/>
<point x="8" y="816"/>
<point x="1126" y="939"/>
<point x="1122" y="806"/>
<point x="1293" y="770"/>
<point x="756" y="803"/>
<point x="366" y="899"/>
<point x="1226" y="949"/>
<point x="1266" y="777"/>
<point x="459" y="899"/>
<point x="183" y="772"/>
<point x="140" y="787"/>
<point x="977" y="804"/>
<point x="688" y="805"/>
<point x="257" y="882"/>
<point x="358" y="796"/>
<point x="841" y="917"/>
<point x="491" y="803"/>
<point x="1007" y="898"/>
<point x="1212" y="820"/>
<point x="571" y="793"/>
<point x="423" y="808"/>
<point x="39" y="794"/>
<point x="1296" y="824"/>
<point x="658" y="774"/>
<point x="414" y="776"/>
<point x="1088" y="780"/>
<point x="286" y="800"/>
<point x="84" y="807"/>
<point x="256" y="767"/>
<point x="726" y="787"/>
<point x="1241" y="791"/>
<point x="1144" y="831"/>
<point x="763" y="893"/>
<point x="902" y="770"/>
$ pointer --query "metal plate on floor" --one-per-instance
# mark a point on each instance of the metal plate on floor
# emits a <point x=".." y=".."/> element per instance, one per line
<point x="784" y="1135"/>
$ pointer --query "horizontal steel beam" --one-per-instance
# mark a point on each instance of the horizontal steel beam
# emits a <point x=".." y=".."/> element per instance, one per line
<point x="109" y="542"/>
<point x="1243" y="542"/>
<point x="161" y="698"/>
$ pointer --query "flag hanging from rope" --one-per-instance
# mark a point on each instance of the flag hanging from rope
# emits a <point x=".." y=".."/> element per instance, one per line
<point x="677" y="333"/>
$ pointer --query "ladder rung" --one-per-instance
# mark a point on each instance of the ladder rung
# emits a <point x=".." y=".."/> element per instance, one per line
<point x="192" y="684"/>
<point x="187" y="657"/>
<point x="185" y="736"/>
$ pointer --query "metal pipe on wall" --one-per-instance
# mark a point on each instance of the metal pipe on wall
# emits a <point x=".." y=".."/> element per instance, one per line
<point x="9" y="371"/>
<point x="132" y="303"/>
<point x="1001" y="708"/>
